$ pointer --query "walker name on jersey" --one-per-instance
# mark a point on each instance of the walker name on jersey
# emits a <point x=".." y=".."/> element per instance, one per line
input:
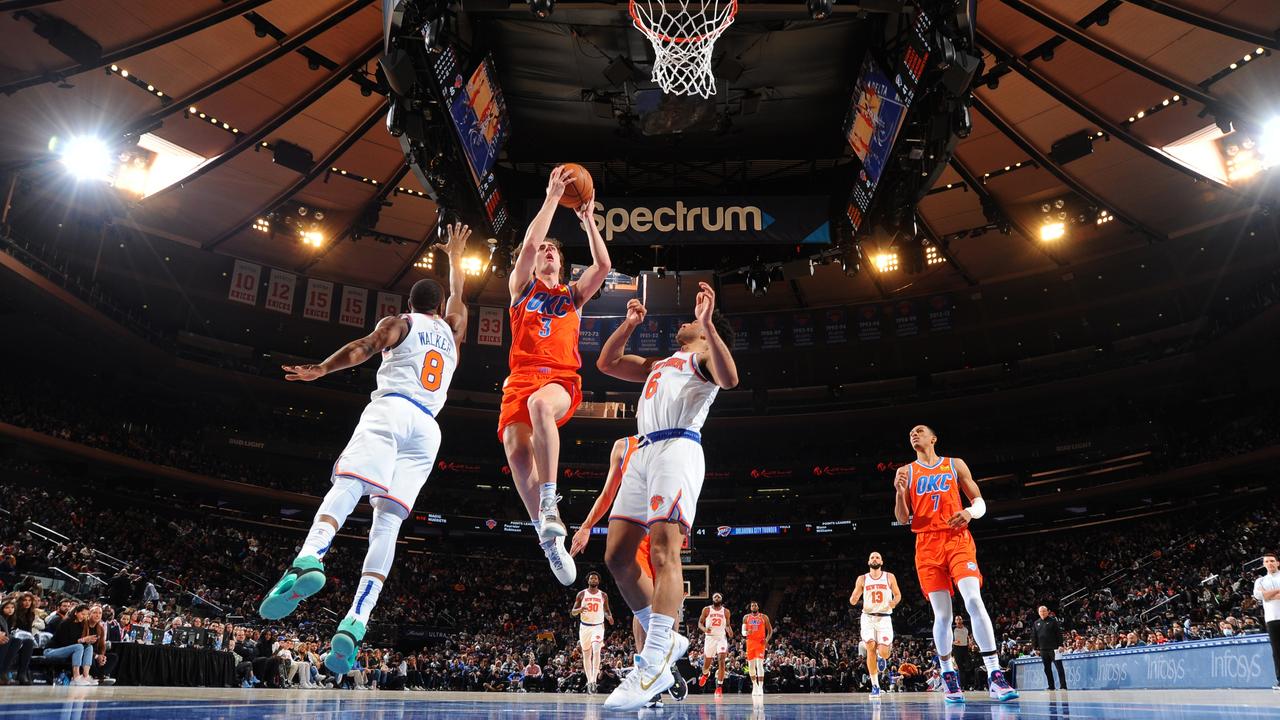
<point x="431" y="339"/>
<point x="926" y="484"/>
<point x="544" y="303"/>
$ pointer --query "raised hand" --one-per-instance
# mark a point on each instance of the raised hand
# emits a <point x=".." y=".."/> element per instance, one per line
<point x="557" y="182"/>
<point x="586" y="211"/>
<point x="457" y="242"/>
<point x="705" y="305"/>
<point x="900" y="480"/>
<point x="635" y="312"/>
<point x="305" y="373"/>
<point x="580" y="540"/>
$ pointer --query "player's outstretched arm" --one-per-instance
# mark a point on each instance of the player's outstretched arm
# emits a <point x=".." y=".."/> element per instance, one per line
<point x="977" y="506"/>
<point x="537" y="231"/>
<point x="388" y="332"/>
<point x="901" y="510"/>
<point x="614" y="360"/>
<point x="724" y="371"/>
<point x="593" y="277"/>
<point x="604" y="500"/>
<point x="455" y="308"/>
<point x="856" y="595"/>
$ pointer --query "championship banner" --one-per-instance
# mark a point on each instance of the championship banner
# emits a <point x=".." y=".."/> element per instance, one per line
<point x="319" y="303"/>
<point x="741" y="333"/>
<point x="388" y="304"/>
<point x="906" y="322"/>
<point x="837" y="326"/>
<point x="280" y="291"/>
<point x="673" y="324"/>
<point x="244" y="283"/>
<point x="869" y="322"/>
<point x="770" y="328"/>
<point x="489" y="329"/>
<point x="595" y="330"/>
<point x="941" y="309"/>
<point x="802" y="329"/>
<point x="648" y="337"/>
<point x="746" y="220"/>
<point x="355" y="301"/>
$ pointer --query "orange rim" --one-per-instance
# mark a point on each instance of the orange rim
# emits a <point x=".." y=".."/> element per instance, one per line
<point x="631" y="9"/>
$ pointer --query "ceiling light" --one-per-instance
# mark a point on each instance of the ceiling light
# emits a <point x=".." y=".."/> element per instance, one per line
<point x="472" y="265"/>
<point x="87" y="157"/>
<point x="1052" y="231"/>
<point x="314" y="238"/>
<point x="820" y="9"/>
<point x="542" y="9"/>
<point x="886" y="262"/>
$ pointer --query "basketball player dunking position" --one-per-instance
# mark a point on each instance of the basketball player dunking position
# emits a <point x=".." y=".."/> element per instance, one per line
<point x="757" y="629"/>
<point x="662" y="480"/>
<point x="928" y="496"/>
<point x="591" y="607"/>
<point x="391" y="451"/>
<point x="717" y="632"/>
<point x="544" y="388"/>
<point x="879" y="593"/>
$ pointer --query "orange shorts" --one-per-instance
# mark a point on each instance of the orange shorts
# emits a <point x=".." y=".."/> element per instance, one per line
<point x="642" y="558"/>
<point x="521" y="384"/>
<point x="755" y="650"/>
<point x="943" y="557"/>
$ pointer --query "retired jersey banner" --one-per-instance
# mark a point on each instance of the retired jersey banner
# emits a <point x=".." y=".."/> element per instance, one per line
<point x="388" y="304"/>
<point x="319" y="305"/>
<point x="837" y="326"/>
<point x="489" y="329"/>
<point x="280" y="291"/>
<point x="802" y="329"/>
<point x="244" y="282"/>
<point x="355" y="306"/>
<point x="728" y="220"/>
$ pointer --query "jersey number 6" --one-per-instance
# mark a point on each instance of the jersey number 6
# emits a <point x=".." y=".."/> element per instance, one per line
<point x="432" y="371"/>
<point x="651" y="389"/>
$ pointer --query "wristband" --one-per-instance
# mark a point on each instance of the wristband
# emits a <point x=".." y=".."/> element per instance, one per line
<point x="978" y="508"/>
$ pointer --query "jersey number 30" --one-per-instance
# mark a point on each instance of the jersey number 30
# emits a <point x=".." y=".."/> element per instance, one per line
<point x="432" y="371"/>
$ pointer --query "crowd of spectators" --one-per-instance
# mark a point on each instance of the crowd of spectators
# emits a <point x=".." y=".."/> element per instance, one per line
<point x="492" y="623"/>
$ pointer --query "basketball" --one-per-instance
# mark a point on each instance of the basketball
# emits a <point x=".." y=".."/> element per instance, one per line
<point x="579" y="189"/>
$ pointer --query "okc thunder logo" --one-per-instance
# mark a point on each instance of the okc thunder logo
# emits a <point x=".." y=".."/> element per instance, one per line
<point x="655" y="502"/>
<point x="491" y="524"/>
<point x="723" y="531"/>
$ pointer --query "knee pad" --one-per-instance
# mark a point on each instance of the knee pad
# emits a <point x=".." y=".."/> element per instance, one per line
<point x="341" y="499"/>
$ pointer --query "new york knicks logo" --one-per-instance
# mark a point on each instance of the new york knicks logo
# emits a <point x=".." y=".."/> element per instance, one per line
<point x="655" y="502"/>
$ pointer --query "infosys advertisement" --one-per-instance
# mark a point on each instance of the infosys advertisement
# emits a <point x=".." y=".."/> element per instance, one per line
<point x="702" y="220"/>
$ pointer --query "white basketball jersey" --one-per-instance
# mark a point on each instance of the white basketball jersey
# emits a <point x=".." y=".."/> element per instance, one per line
<point x="876" y="594"/>
<point x="676" y="396"/>
<point x="592" y="607"/>
<point x="421" y="366"/>
<point x="717" y="620"/>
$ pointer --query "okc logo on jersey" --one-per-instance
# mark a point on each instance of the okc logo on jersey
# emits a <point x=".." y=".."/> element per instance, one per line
<point x="542" y="302"/>
<point x="926" y="484"/>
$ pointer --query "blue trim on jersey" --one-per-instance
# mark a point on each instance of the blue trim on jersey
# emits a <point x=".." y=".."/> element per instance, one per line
<point x="421" y="407"/>
<point x="930" y="467"/>
<point x="673" y="434"/>
<point x="525" y="295"/>
<point x="593" y="624"/>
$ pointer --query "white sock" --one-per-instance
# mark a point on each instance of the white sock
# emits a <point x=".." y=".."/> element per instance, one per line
<point x="318" y="540"/>
<point x="658" y="639"/>
<point x="991" y="662"/>
<point x="547" y="494"/>
<point x="875" y="680"/>
<point x="947" y="665"/>
<point x="366" y="599"/>
<point x="643" y="615"/>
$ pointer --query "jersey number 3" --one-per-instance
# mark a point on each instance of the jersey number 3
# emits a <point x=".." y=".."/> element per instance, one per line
<point x="432" y="371"/>
<point x="546" y="327"/>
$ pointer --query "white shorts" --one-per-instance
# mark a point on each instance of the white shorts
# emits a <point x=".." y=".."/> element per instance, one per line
<point x="391" y="451"/>
<point x="877" y="628"/>
<point x="590" y="634"/>
<point x="713" y="646"/>
<point x="660" y="482"/>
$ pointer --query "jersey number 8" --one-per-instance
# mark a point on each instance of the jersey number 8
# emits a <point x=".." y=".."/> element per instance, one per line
<point x="432" y="371"/>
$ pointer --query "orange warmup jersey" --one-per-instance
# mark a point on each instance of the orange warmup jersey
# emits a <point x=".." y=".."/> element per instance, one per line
<point x="943" y="554"/>
<point x="544" y="350"/>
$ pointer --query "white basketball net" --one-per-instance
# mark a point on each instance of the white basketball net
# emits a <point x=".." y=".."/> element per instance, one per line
<point x="683" y="38"/>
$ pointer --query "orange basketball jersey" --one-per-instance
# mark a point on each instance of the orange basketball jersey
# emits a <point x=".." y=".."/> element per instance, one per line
<point x="544" y="329"/>
<point x="935" y="495"/>
<point x="754" y="623"/>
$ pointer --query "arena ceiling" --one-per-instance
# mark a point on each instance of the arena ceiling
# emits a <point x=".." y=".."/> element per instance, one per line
<point x="220" y="78"/>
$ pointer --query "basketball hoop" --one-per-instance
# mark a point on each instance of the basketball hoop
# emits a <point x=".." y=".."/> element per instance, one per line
<point x="683" y="39"/>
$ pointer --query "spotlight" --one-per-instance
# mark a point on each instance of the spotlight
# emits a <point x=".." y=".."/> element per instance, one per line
<point x="313" y="238"/>
<point x="1052" y="231"/>
<point x="1269" y="139"/>
<point x="86" y="157"/>
<point x="820" y="9"/>
<point x="542" y="9"/>
<point x="262" y="224"/>
<point x="472" y="265"/>
<point x="757" y="278"/>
